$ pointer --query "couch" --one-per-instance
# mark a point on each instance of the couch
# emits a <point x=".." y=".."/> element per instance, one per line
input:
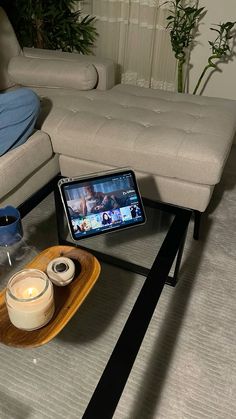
<point x="177" y="144"/>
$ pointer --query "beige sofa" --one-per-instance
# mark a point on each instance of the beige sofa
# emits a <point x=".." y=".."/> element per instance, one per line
<point x="28" y="168"/>
<point x="177" y="144"/>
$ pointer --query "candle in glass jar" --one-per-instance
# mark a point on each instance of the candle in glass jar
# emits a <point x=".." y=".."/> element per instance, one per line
<point x="29" y="299"/>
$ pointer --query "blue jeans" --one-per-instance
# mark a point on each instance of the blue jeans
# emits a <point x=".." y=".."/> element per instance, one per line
<point x="19" y="110"/>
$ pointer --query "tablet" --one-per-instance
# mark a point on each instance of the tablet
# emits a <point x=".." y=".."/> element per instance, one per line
<point x="101" y="203"/>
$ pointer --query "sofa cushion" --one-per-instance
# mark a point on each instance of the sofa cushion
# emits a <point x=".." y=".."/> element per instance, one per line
<point x="166" y="134"/>
<point x="23" y="161"/>
<point x="52" y="73"/>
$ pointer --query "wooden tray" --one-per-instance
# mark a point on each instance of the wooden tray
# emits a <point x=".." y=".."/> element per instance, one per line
<point x="67" y="298"/>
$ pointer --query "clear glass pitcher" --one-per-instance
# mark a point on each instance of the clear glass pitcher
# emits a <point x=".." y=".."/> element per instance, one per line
<point x="14" y="250"/>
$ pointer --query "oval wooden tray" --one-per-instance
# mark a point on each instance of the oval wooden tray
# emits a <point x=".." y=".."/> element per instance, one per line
<point x="67" y="299"/>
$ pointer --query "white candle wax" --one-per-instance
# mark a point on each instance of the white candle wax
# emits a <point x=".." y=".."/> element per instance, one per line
<point x="29" y="299"/>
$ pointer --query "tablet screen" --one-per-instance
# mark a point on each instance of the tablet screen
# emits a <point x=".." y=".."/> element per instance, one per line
<point x="101" y="203"/>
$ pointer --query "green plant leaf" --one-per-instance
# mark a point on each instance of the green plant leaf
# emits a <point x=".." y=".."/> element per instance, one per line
<point x="54" y="24"/>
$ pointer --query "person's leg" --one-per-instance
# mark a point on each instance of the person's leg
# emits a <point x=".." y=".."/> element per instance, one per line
<point x="19" y="110"/>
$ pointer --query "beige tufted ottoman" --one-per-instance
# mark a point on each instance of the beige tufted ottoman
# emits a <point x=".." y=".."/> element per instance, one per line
<point x="177" y="144"/>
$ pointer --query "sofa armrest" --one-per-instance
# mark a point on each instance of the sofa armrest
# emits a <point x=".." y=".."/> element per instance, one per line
<point x="105" y="67"/>
<point x="22" y="162"/>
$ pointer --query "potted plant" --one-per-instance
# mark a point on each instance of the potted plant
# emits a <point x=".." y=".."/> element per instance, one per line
<point x="183" y="24"/>
<point x="53" y="24"/>
<point x="220" y="49"/>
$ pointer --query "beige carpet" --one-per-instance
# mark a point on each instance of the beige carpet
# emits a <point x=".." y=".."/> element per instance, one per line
<point x="186" y="366"/>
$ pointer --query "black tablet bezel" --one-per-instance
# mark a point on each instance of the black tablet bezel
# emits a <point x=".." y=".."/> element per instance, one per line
<point x="65" y="182"/>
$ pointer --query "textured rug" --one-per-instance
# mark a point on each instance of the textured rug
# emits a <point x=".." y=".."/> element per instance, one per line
<point x="186" y="366"/>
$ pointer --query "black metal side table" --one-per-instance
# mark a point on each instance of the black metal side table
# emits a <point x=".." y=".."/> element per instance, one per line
<point x="112" y="382"/>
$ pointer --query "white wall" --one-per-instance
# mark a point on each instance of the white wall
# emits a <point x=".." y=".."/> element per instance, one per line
<point x="220" y="84"/>
<point x="86" y="6"/>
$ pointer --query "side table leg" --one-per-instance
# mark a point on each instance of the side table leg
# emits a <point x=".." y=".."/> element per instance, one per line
<point x="59" y="215"/>
<point x="172" y="280"/>
<point x="197" y="224"/>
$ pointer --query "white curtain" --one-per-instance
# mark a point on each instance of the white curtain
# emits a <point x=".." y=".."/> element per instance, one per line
<point x="133" y="34"/>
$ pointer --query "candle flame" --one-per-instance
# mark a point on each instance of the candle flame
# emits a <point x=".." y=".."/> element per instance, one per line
<point x="30" y="292"/>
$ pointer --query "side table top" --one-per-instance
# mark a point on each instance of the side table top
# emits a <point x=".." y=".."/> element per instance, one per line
<point x="67" y="299"/>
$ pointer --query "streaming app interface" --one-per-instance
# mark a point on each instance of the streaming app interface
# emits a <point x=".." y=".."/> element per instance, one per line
<point x="103" y="204"/>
